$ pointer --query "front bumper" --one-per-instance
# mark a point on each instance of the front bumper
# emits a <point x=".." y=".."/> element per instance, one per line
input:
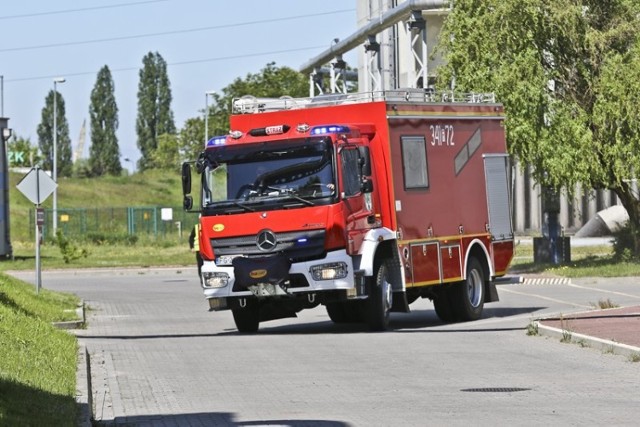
<point x="301" y="279"/>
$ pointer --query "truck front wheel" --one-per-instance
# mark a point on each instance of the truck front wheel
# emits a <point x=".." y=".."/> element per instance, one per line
<point x="380" y="299"/>
<point x="344" y="312"/>
<point x="247" y="318"/>
<point x="469" y="294"/>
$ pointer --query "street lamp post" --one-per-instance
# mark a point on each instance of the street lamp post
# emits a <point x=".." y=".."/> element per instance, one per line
<point x="55" y="151"/>
<point x="206" y="115"/>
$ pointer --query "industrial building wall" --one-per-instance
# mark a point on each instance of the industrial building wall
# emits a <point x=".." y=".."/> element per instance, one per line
<point x="397" y="63"/>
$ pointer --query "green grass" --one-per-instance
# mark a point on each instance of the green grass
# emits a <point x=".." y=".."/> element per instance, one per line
<point x="587" y="261"/>
<point x="38" y="363"/>
<point x="141" y="254"/>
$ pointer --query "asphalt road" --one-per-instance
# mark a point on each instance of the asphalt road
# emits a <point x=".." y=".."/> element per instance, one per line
<point x="158" y="357"/>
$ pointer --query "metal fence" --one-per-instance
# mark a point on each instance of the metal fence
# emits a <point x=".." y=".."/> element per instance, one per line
<point x="153" y="222"/>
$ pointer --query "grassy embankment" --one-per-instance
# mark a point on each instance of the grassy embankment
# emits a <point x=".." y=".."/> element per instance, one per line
<point x="38" y="361"/>
<point x="151" y="189"/>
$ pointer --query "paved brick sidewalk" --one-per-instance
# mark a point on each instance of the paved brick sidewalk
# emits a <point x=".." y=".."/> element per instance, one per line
<point x="618" y="328"/>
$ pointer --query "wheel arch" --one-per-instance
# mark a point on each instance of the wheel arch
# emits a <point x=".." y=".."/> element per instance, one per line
<point x="381" y="244"/>
<point x="478" y="250"/>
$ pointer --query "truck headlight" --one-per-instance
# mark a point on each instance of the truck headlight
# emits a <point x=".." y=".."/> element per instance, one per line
<point x="215" y="279"/>
<point x="335" y="270"/>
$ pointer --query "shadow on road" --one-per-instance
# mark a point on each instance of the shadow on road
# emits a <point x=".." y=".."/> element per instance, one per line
<point x="211" y="419"/>
<point x="416" y="321"/>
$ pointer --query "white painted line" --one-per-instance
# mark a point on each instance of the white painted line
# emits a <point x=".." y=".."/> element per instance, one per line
<point x="606" y="291"/>
<point x="509" y="290"/>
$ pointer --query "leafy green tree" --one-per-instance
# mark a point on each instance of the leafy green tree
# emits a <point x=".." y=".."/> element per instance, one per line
<point x="155" y="117"/>
<point x="104" y="153"/>
<point x="22" y="153"/>
<point x="271" y="82"/>
<point x="45" y="136"/>
<point x="568" y="73"/>
<point x="167" y="154"/>
<point x="191" y="138"/>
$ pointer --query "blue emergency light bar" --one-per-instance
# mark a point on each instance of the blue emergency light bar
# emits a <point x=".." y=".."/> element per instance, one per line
<point x="323" y="130"/>
<point x="216" y="140"/>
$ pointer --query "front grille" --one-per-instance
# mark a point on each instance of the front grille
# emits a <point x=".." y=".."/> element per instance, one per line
<point x="297" y="245"/>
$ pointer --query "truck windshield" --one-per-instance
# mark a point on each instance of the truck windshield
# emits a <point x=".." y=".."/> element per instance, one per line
<point x="296" y="172"/>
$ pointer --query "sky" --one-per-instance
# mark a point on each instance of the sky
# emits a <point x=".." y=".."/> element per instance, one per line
<point x="206" y="44"/>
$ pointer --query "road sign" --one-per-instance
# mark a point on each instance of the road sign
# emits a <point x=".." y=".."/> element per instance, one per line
<point x="37" y="186"/>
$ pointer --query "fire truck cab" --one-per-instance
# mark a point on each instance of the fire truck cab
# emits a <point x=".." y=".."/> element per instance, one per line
<point x="360" y="202"/>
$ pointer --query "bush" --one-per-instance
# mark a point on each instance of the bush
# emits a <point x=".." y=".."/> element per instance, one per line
<point x="70" y="252"/>
<point x="625" y="243"/>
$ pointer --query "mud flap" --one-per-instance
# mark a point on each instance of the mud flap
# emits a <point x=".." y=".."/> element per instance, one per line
<point x="491" y="292"/>
<point x="400" y="303"/>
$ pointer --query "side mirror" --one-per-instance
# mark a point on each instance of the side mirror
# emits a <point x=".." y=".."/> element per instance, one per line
<point x="186" y="178"/>
<point x="187" y="203"/>
<point x="367" y="185"/>
<point x="365" y="160"/>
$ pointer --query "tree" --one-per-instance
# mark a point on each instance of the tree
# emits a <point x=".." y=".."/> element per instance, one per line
<point x="270" y="82"/>
<point x="191" y="138"/>
<point x="104" y="153"/>
<point x="45" y="136"/>
<point x="166" y="155"/>
<point x="155" y="117"/>
<point x="568" y="73"/>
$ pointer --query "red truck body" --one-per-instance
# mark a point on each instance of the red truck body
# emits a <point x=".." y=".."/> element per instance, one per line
<point x="368" y="203"/>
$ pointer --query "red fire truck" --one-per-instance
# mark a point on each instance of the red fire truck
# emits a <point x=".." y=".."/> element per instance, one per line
<point x="360" y="202"/>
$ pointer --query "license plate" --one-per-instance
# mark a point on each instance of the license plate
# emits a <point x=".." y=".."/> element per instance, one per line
<point x="225" y="259"/>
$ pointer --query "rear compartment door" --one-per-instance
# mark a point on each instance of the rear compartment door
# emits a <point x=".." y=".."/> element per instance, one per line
<point x="496" y="167"/>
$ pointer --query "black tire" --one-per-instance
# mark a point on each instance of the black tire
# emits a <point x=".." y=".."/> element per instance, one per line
<point x="380" y="299"/>
<point x="344" y="312"/>
<point x="247" y="319"/>
<point x="336" y="312"/>
<point x="469" y="294"/>
<point x="444" y="307"/>
<point x="199" y="262"/>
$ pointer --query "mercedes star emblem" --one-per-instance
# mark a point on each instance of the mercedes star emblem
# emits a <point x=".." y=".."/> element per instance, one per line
<point x="266" y="240"/>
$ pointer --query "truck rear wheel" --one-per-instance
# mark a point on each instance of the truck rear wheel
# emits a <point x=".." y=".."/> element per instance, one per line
<point x="443" y="306"/>
<point x="469" y="294"/>
<point x="247" y="319"/>
<point x="380" y="299"/>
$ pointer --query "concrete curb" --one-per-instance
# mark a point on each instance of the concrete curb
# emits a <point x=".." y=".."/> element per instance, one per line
<point x="83" y="387"/>
<point x="73" y="324"/>
<point x="83" y="370"/>
<point x="607" y="346"/>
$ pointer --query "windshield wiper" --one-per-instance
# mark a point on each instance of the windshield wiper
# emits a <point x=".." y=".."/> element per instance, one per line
<point x="292" y="195"/>
<point x="243" y="206"/>
<point x="228" y="203"/>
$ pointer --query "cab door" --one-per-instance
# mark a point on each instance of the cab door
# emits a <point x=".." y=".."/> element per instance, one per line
<point x="356" y="190"/>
